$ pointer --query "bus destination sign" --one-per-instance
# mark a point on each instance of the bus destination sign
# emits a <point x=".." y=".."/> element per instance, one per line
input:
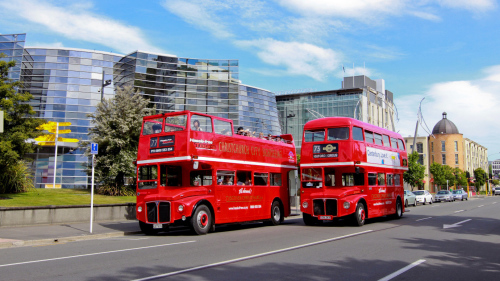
<point x="325" y="150"/>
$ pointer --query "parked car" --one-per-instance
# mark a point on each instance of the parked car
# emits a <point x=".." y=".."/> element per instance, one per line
<point x="444" y="195"/>
<point x="423" y="196"/>
<point x="460" y="194"/>
<point x="410" y="198"/>
<point x="497" y="191"/>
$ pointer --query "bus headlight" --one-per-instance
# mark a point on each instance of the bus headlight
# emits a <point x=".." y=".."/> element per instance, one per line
<point x="305" y="205"/>
<point x="180" y="208"/>
<point x="347" y="205"/>
<point x="139" y="209"/>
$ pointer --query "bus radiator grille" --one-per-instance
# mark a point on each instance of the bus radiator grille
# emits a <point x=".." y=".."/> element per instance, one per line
<point x="331" y="207"/>
<point x="164" y="212"/>
<point x="151" y="212"/>
<point x="318" y="207"/>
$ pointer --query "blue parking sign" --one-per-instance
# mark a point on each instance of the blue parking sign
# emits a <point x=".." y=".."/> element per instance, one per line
<point x="94" y="148"/>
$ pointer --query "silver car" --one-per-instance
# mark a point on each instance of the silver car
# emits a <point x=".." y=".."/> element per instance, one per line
<point x="410" y="198"/>
<point x="460" y="194"/>
<point x="423" y="196"/>
<point x="444" y="195"/>
<point x="497" y="191"/>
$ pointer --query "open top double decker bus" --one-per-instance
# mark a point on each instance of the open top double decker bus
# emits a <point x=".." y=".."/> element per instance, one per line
<point x="350" y="168"/>
<point x="193" y="170"/>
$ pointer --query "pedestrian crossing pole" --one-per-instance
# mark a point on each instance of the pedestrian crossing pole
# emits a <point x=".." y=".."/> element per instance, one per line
<point x="94" y="149"/>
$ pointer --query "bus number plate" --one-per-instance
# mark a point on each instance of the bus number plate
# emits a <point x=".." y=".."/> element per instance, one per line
<point x="325" y="217"/>
<point x="157" y="225"/>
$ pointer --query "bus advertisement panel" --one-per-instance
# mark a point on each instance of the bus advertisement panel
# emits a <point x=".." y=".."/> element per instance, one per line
<point x="192" y="169"/>
<point x="350" y="169"/>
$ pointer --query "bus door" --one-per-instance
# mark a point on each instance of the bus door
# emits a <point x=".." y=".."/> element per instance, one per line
<point x="260" y="196"/>
<point x="225" y="196"/>
<point x="293" y="192"/>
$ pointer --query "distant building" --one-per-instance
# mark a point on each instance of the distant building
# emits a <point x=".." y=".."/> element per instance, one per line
<point x="66" y="86"/>
<point x="360" y="97"/>
<point x="447" y="146"/>
<point x="495" y="168"/>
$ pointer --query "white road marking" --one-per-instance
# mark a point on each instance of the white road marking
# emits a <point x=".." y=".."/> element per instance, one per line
<point x="494" y="203"/>
<point x="455" y="224"/>
<point x="249" y="257"/>
<point x="126" y="239"/>
<point x="480" y="206"/>
<point x="459" y="211"/>
<point x="424" y="219"/>
<point x="95" y="254"/>
<point x="402" y="270"/>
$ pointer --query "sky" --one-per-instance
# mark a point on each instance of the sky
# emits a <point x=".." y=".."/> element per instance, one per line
<point x="442" y="51"/>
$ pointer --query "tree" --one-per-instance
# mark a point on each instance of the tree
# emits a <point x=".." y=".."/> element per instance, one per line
<point x="495" y="182"/>
<point x="460" y="177"/>
<point x="479" y="178"/>
<point x="117" y="127"/>
<point x="416" y="172"/>
<point x="19" y="125"/>
<point x="441" y="173"/>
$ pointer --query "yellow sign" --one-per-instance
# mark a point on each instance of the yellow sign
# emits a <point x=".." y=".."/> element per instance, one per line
<point x="52" y="186"/>
<point x="48" y="140"/>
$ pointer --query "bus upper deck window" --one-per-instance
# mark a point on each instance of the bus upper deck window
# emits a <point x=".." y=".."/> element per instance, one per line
<point x="386" y="141"/>
<point x="394" y="143"/>
<point x="338" y="133"/>
<point x="311" y="136"/>
<point x="378" y="138"/>
<point x="369" y="137"/>
<point x="357" y="134"/>
<point x="152" y="126"/>
<point x="401" y="144"/>
<point x="201" y="123"/>
<point x="223" y="127"/>
<point x="175" y="123"/>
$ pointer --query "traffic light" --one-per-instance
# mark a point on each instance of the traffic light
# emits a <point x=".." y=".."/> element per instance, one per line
<point x="467" y="175"/>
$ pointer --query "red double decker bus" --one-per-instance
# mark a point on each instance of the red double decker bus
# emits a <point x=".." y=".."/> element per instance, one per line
<point x="351" y="168"/>
<point x="192" y="169"/>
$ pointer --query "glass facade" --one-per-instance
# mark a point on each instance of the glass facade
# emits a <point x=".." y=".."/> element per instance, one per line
<point x="296" y="110"/>
<point x="66" y="84"/>
<point x="12" y="45"/>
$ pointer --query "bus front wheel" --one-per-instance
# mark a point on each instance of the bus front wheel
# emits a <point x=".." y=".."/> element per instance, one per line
<point x="275" y="213"/>
<point x="360" y="214"/>
<point x="399" y="210"/>
<point x="201" y="221"/>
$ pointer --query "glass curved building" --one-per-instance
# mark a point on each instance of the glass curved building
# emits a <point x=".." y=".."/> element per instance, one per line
<point x="66" y="86"/>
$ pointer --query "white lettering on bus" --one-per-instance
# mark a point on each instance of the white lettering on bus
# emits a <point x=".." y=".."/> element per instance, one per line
<point x="243" y="191"/>
<point x="200" y="141"/>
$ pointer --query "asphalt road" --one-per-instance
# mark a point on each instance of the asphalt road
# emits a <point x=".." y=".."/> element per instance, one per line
<point x="456" y="241"/>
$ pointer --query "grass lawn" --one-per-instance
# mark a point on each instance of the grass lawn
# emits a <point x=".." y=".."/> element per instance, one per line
<point x="44" y="197"/>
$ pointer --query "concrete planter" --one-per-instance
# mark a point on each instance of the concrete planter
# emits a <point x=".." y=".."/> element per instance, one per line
<point x="22" y="216"/>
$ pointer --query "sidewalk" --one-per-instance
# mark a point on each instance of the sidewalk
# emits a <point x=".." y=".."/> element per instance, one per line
<point x="52" y="234"/>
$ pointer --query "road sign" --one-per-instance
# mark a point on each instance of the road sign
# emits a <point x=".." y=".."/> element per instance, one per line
<point x="94" y="148"/>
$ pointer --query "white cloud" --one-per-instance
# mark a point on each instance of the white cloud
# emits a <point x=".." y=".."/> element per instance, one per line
<point x="471" y="5"/>
<point x="76" y="22"/>
<point x="471" y="105"/>
<point x="297" y="58"/>
<point x="200" y="14"/>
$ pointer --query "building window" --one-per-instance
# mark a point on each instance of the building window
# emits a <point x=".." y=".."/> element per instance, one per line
<point x="432" y="158"/>
<point x="421" y="159"/>
<point x="456" y="146"/>
<point x="432" y="146"/>
<point x="444" y="159"/>
<point x="456" y="159"/>
<point x="420" y="147"/>
<point x="443" y="147"/>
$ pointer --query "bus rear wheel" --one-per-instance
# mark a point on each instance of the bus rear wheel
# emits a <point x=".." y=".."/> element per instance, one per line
<point x="201" y="221"/>
<point x="147" y="228"/>
<point x="360" y="214"/>
<point x="309" y="220"/>
<point x="276" y="217"/>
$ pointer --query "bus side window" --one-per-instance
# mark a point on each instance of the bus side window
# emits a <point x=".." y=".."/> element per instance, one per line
<point x="204" y="123"/>
<point x="244" y="178"/>
<point x="381" y="179"/>
<point x="378" y="138"/>
<point x="401" y="144"/>
<point x="201" y="177"/>
<point x="225" y="178"/>
<point x="372" y="179"/>
<point x="275" y="179"/>
<point x="369" y="136"/>
<point x="397" y="179"/>
<point x="223" y="127"/>
<point x="357" y="134"/>
<point x="260" y="178"/>
<point x="389" y="179"/>
<point x="170" y="175"/>
<point x="394" y="143"/>
<point x="386" y="141"/>
<point x="148" y="177"/>
<point x="329" y="177"/>
<point x="353" y="179"/>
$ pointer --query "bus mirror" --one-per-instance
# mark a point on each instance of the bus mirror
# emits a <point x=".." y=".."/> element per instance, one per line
<point x="195" y="165"/>
<point x="357" y="170"/>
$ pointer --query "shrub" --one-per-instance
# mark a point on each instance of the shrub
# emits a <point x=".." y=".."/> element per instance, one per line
<point x="115" y="190"/>
<point x="16" y="178"/>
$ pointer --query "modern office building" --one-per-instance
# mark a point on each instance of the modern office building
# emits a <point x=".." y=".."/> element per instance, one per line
<point x="360" y="97"/>
<point x="66" y="85"/>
